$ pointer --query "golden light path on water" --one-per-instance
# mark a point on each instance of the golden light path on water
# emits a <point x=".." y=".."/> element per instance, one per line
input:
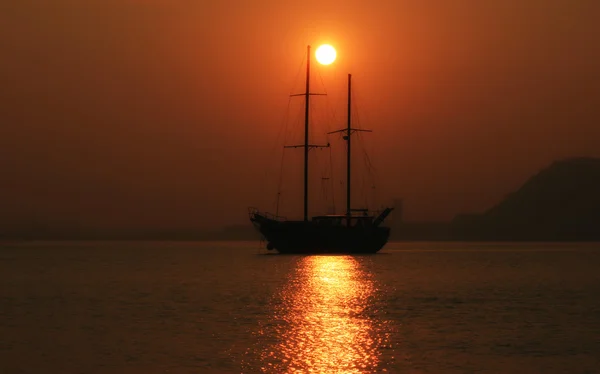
<point x="325" y="325"/>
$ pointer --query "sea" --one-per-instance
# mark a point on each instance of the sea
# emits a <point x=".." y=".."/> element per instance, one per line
<point x="231" y="307"/>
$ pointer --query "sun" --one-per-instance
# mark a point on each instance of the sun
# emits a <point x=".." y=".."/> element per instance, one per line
<point x="325" y="54"/>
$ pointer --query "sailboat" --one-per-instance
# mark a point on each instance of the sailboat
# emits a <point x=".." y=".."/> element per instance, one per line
<point x="354" y="232"/>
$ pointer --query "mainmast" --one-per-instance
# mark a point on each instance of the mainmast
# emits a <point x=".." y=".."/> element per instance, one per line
<point x="348" y="129"/>
<point x="306" y="105"/>
<point x="306" y="146"/>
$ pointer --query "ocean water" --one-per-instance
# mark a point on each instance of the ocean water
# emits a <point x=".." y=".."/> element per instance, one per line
<point x="227" y="307"/>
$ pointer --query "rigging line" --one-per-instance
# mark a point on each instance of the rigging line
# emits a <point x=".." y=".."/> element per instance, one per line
<point x="365" y="192"/>
<point x="296" y="126"/>
<point x="325" y="180"/>
<point x="372" y="176"/>
<point x="325" y="192"/>
<point x="286" y="115"/>
<point x="366" y="156"/>
<point x="280" y="184"/>
<point x="289" y="136"/>
<point x="331" y="179"/>
<point x="299" y="71"/>
<point x="357" y="99"/>
<point x="370" y="166"/>
<point x="375" y="196"/>
<point x="285" y="120"/>
<point x="327" y="101"/>
<point x="320" y="168"/>
<point x="355" y="107"/>
<point x="282" y="130"/>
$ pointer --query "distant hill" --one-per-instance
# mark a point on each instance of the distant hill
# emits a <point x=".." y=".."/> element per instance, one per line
<point x="561" y="202"/>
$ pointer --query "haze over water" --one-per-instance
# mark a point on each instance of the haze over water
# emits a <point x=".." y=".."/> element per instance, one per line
<point x="158" y="307"/>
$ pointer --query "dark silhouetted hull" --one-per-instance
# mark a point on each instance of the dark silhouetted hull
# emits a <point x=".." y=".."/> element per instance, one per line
<point x="302" y="237"/>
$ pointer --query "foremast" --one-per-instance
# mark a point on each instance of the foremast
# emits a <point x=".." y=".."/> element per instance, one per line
<point x="348" y="131"/>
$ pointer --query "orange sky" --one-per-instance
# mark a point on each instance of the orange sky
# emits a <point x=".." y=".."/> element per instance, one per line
<point x="155" y="113"/>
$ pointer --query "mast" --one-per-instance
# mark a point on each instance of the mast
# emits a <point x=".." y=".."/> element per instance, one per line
<point x="306" y="146"/>
<point x="348" y="129"/>
<point x="306" y="105"/>
<point x="347" y="132"/>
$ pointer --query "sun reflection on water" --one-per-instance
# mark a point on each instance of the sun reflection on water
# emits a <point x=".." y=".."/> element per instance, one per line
<point x="324" y="320"/>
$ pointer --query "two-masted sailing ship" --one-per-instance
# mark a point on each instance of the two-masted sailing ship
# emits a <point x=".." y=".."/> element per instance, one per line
<point x="354" y="232"/>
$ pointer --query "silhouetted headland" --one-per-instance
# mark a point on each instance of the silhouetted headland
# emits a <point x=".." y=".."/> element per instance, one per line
<point x="560" y="203"/>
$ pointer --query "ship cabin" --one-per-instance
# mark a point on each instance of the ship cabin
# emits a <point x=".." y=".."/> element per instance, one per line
<point x="363" y="220"/>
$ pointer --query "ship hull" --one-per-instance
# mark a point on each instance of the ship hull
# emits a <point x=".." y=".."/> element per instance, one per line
<point x="300" y="237"/>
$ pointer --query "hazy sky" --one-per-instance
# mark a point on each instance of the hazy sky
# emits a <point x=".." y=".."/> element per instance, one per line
<point x="135" y="113"/>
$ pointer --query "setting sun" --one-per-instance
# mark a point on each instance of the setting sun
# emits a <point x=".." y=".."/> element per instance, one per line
<point x="325" y="54"/>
